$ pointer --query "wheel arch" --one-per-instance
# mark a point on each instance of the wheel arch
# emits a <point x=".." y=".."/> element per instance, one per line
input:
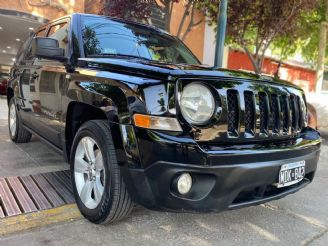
<point x="79" y="113"/>
<point x="10" y="94"/>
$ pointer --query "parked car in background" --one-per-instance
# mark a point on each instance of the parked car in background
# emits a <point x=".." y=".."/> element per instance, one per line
<point x="3" y="86"/>
<point x="312" y="116"/>
<point x="319" y="104"/>
<point x="140" y="120"/>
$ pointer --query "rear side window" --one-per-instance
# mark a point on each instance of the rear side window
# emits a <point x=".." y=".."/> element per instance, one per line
<point x="41" y="33"/>
<point x="28" y="54"/>
<point x="59" y="32"/>
<point x="24" y="50"/>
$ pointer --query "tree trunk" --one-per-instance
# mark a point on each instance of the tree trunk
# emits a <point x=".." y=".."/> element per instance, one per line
<point x="254" y="61"/>
<point x="183" y="19"/>
<point x="276" y="74"/>
<point x="167" y="10"/>
<point x="321" y="57"/>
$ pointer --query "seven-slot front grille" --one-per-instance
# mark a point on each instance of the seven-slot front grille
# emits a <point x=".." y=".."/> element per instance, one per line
<point x="276" y="115"/>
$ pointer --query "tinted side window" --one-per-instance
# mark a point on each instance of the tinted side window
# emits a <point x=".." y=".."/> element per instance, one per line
<point x="28" y="53"/>
<point x="24" y="50"/>
<point x="59" y="32"/>
<point x="41" y="33"/>
<point x="102" y="36"/>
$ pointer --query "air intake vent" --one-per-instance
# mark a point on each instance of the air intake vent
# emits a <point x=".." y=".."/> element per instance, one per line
<point x="300" y="114"/>
<point x="285" y="109"/>
<point x="264" y="113"/>
<point x="295" y="113"/>
<point x="233" y="113"/>
<point x="275" y="114"/>
<point x="249" y="112"/>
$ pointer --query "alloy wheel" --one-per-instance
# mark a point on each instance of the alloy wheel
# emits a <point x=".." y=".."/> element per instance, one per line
<point x="12" y="120"/>
<point x="89" y="172"/>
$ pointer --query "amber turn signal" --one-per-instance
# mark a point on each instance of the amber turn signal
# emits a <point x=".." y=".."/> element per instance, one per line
<point x="157" y="123"/>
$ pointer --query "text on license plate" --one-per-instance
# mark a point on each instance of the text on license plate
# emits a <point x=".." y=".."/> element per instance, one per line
<point x="291" y="173"/>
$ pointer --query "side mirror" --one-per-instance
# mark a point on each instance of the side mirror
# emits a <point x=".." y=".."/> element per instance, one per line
<point x="47" y="48"/>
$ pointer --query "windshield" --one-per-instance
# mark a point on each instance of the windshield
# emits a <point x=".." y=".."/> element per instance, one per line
<point x="105" y="37"/>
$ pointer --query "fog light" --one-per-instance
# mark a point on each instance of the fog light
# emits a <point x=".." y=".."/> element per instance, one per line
<point x="184" y="183"/>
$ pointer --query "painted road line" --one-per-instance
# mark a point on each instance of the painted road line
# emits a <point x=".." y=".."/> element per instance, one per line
<point x="38" y="219"/>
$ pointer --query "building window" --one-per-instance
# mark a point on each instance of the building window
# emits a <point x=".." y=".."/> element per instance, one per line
<point x="157" y="17"/>
<point x="325" y="82"/>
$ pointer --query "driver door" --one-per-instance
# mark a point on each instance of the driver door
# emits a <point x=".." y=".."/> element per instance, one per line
<point x="50" y="77"/>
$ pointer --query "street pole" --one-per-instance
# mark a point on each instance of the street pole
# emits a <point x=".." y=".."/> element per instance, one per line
<point x="321" y="53"/>
<point x="221" y="32"/>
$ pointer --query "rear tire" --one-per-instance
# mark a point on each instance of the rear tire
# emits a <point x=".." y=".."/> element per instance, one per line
<point x="95" y="172"/>
<point x="17" y="132"/>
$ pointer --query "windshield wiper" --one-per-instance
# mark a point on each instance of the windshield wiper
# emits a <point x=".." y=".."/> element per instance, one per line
<point x="117" y="55"/>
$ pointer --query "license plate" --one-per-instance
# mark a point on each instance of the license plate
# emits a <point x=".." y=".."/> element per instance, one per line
<point x="291" y="173"/>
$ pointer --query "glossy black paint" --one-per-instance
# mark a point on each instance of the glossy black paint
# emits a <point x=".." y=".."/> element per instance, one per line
<point x="55" y="97"/>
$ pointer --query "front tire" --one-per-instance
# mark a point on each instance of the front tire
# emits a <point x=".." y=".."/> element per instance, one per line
<point x="99" y="189"/>
<point x="17" y="132"/>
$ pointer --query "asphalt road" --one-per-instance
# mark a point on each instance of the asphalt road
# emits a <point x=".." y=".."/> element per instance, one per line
<point x="299" y="219"/>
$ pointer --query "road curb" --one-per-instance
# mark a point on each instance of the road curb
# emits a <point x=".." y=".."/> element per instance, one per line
<point x="24" y="222"/>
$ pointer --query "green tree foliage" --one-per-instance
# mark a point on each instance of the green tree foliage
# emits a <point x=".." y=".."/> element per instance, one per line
<point x="140" y="10"/>
<point x="304" y="37"/>
<point x="254" y="24"/>
<point x="90" y="41"/>
<point x="309" y="38"/>
<point x="127" y="9"/>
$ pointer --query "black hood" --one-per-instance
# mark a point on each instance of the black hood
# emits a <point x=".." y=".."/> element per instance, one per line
<point x="161" y="70"/>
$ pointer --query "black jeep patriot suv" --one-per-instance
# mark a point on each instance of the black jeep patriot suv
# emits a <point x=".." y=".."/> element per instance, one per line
<point x="142" y="121"/>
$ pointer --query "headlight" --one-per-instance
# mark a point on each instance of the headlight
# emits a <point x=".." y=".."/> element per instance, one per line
<point x="197" y="103"/>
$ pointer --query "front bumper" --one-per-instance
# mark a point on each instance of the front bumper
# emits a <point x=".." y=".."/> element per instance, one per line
<point x="224" y="179"/>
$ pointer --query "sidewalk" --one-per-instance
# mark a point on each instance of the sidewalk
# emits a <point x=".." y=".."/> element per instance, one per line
<point x="324" y="132"/>
<point x="25" y="159"/>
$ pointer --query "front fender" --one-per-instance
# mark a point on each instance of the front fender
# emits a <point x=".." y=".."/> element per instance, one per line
<point x="108" y="94"/>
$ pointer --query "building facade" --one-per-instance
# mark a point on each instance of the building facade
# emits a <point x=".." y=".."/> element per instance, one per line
<point x="19" y="17"/>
